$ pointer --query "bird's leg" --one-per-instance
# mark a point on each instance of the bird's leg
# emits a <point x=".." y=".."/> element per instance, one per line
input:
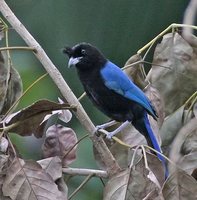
<point x="105" y="125"/>
<point x="120" y="128"/>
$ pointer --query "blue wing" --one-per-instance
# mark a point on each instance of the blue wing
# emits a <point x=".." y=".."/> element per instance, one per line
<point x="115" y="79"/>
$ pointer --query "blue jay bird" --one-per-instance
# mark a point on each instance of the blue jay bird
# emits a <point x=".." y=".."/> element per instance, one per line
<point x="112" y="92"/>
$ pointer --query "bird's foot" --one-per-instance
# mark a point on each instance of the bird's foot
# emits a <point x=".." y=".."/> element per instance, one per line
<point x="109" y="135"/>
<point x="106" y="125"/>
<point x="101" y="128"/>
<point x="100" y="131"/>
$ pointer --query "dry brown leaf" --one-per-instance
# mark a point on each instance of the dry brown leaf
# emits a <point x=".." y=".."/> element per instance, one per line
<point x="154" y="194"/>
<point x="3" y="82"/>
<point x="184" y="148"/>
<point x="130" y="184"/>
<point x="194" y="174"/>
<point x="177" y="80"/>
<point x="132" y="137"/>
<point x="64" y="115"/>
<point x="58" y="142"/>
<point x="188" y="162"/>
<point x="116" y="187"/>
<point x="3" y="144"/>
<point x="27" y="180"/>
<point x="29" y="120"/>
<point x="195" y="110"/>
<point x="157" y="102"/>
<point x="2" y="26"/>
<point x="136" y="72"/>
<point x="156" y="168"/>
<point x="52" y="166"/>
<point x="180" y="185"/>
<point x="4" y="162"/>
<point x="3" y="197"/>
<point x="172" y="125"/>
<point x="14" y="90"/>
<point x="11" y="86"/>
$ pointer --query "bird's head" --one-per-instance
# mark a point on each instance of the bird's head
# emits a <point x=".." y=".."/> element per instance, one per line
<point x="84" y="56"/>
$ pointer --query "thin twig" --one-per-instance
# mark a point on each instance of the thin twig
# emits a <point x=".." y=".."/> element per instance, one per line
<point x="17" y="48"/>
<point x="82" y="96"/>
<point x="143" y="61"/>
<point x="172" y="26"/>
<point x="133" y="157"/>
<point x="84" y="172"/>
<point x="145" y="157"/>
<point x="78" y="141"/>
<point x="82" y="184"/>
<point x="170" y="161"/>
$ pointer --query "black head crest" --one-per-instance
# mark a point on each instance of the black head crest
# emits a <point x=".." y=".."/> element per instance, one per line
<point x="68" y="51"/>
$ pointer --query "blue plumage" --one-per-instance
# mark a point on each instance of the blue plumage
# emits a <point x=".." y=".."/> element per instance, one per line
<point x="113" y="92"/>
<point x="115" y="79"/>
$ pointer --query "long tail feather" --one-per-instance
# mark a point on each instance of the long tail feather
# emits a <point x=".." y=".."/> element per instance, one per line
<point x="144" y="127"/>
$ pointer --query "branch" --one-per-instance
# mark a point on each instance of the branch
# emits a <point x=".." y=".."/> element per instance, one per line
<point x="85" y="172"/>
<point x="109" y="161"/>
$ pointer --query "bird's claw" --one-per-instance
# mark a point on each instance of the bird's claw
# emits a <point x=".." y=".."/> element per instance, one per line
<point x="99" y="131"/>
<point x="109" y="136"/>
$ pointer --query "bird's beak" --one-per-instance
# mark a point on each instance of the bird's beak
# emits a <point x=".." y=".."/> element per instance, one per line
<point x="73" y="61"/>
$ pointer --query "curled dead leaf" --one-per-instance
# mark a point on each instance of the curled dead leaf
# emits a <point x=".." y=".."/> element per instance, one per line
<point x="60" y="141"/>
<point x="29" y="120"/>
<point x="10" y="85"/>
<point x="184" y="148"/>
<point x="174" y="71"/>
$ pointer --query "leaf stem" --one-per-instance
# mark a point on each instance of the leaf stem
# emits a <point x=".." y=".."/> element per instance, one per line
<point x="82" y="138"/>
<point x="24" y="93"/>
<point x="172" y="26"/>
<point x="17" y="48"/>
<point x="82" y="184"/>
<point x="82" y="96"/>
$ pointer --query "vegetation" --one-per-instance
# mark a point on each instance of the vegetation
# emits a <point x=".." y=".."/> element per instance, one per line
<point x="127" y="169"/>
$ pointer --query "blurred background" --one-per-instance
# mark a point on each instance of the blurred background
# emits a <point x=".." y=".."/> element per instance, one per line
<point x="118" y="28"/>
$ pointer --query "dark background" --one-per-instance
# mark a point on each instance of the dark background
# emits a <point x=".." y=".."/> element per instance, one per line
<point x="118" y="27"/>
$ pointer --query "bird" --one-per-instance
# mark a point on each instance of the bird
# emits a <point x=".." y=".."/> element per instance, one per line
<point x="113" y="92"/>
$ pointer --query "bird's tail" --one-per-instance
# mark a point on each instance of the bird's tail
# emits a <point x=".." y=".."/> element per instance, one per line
<point x="144" y="127"/>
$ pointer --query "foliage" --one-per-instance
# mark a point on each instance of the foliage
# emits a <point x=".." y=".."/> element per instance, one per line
<point x="172" y="89"/>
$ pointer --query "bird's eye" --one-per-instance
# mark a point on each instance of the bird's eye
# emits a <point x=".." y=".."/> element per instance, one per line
<point x="83" y="51"/>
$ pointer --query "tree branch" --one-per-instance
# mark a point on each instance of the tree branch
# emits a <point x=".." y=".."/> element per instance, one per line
<point x="111" y="165"/>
